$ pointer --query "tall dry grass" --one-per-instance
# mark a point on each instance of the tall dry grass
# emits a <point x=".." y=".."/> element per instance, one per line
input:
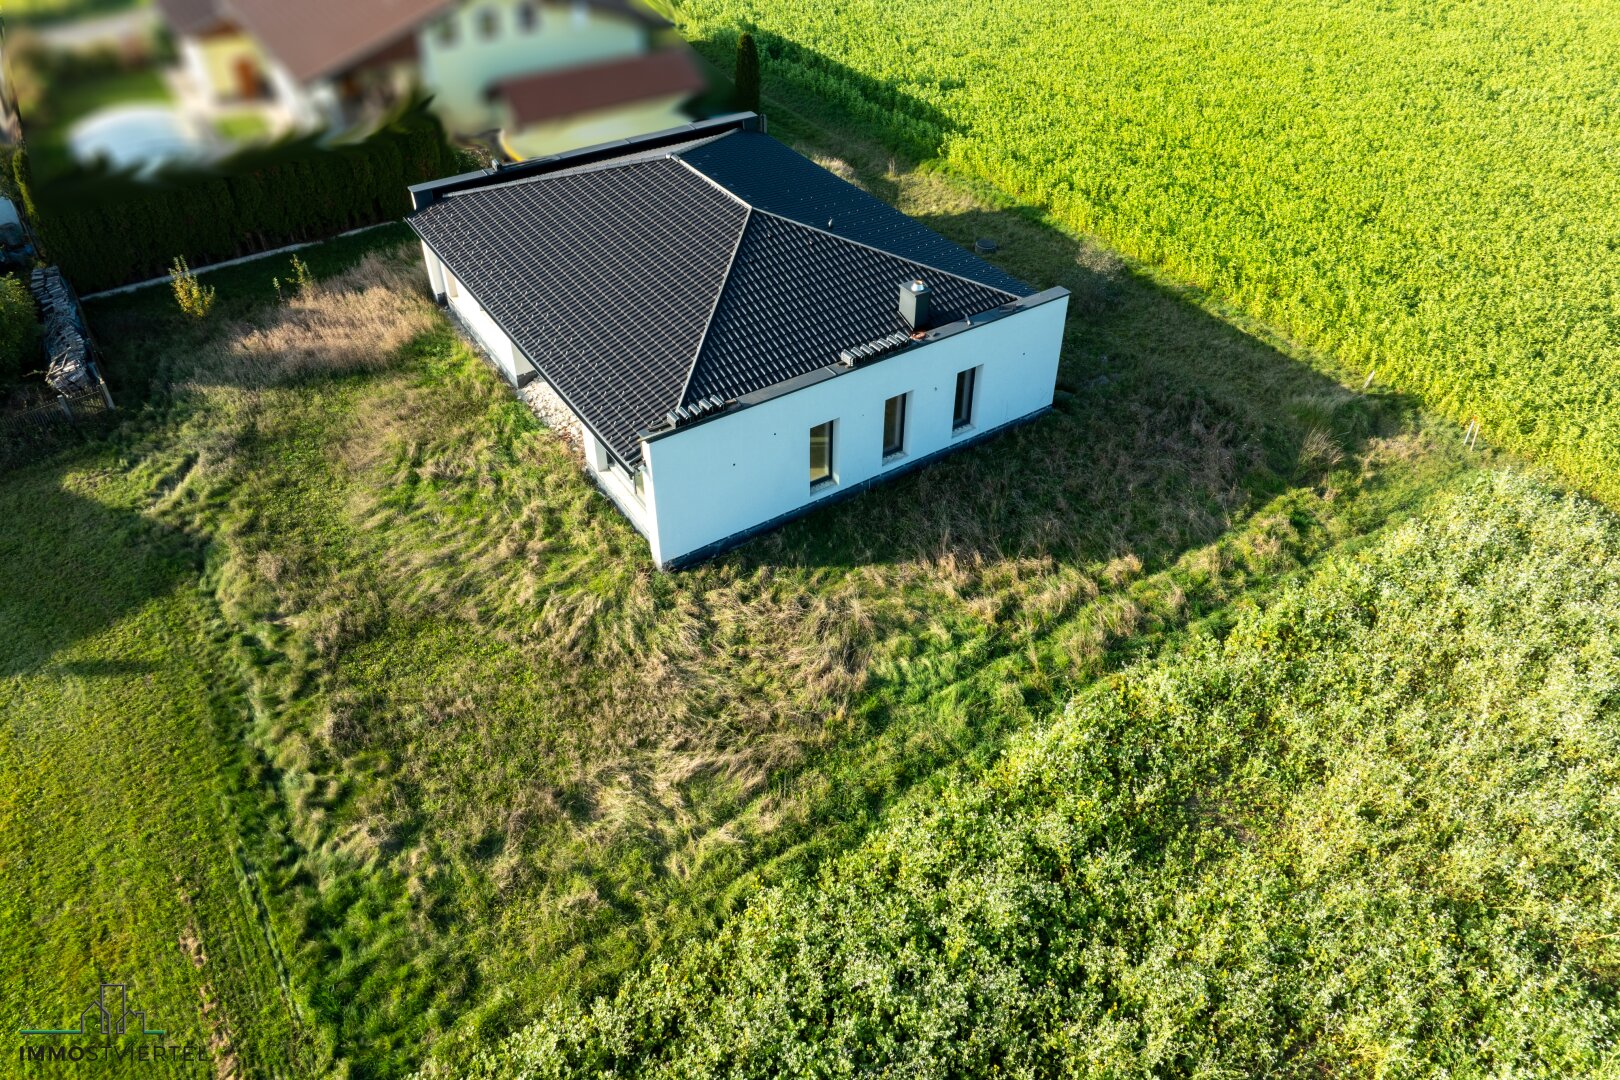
<point x="358" y="321"/>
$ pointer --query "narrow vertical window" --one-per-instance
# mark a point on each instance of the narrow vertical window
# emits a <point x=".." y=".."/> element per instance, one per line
<point x="821" y="451"/>
<point x="450" y="285"/>
<point x="528" y="16"/>
<point x="445" y="31"/>
<point x="894" y="425"/>
<point x="641" y="484"/>
<point x="962" y="412"/>
<point x="489" y="23"/>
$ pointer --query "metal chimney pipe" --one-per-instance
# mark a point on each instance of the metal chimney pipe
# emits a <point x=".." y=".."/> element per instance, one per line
<point x="916" y="302"/>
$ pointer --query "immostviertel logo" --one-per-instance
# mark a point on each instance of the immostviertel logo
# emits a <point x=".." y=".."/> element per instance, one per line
<point x="108" y="1016"/>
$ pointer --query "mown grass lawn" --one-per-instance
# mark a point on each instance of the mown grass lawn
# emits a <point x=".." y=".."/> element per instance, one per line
<point x="42" y="12"/>
<point x="121" y="757"/>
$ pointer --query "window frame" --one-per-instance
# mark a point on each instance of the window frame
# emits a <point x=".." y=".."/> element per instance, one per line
<point x="896" y="449"/>
<point x="830" y="477"/>
<point x="963" y="420"/>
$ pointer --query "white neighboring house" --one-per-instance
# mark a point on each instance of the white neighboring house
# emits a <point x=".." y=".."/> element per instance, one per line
<point x="545" y="74"/>
<point x="740" y="334"/>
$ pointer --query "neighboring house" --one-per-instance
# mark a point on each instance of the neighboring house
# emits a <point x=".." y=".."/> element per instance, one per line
<point x="740" y="334"/>
<point x="546" y="76"/>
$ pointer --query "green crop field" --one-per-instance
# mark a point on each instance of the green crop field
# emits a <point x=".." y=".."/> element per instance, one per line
<point x="1232" y="718"/>
<point x="1423" y="189"/>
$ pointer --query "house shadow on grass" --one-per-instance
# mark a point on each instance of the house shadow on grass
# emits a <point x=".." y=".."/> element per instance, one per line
<point x="1169" y="420"/>
<point x="1169" y="423"/>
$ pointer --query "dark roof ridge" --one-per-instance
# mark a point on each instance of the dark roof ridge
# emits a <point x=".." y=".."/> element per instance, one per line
<point x="725" y="279"/>
<point x="705" y="177"/>
<point x="884" y="251"/>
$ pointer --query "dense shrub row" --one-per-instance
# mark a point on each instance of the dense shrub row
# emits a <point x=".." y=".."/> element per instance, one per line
<point x="1371" y="830"/>
<point x="19" y="331"/>
<point x="109" y="231"/>
<point x="1425" y="190"/>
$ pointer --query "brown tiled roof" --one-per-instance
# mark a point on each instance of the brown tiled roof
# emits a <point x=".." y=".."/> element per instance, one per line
<point x="313" y="38"/>
<point x="192" y="16"/>
<point x="553" y="94"/>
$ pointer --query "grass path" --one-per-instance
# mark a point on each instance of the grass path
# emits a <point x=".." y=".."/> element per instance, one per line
<point x="119" y="757"/>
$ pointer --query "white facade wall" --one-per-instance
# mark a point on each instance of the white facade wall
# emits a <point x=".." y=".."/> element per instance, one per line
<point x="619" y="485"/>
<point x="745" y="468"/>
<point x="500" y="348"/>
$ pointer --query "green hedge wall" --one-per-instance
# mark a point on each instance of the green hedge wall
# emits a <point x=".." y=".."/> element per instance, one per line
<point x="107" y="231"/>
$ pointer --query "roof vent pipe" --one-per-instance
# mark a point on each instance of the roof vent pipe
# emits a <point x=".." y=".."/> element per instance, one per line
<point x="915" y="303"/>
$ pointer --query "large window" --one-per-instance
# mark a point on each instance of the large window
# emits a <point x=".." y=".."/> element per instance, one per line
<point x="821" y="451"/>
<point x="962" y="411"/>
<point x="894" y="425"/>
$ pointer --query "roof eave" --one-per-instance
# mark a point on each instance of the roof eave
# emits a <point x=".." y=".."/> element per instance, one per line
<point x="578" y="414"/>
<point x="834" y="369"/>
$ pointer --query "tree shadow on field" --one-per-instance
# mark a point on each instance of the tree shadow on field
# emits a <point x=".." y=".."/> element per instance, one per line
<point x="1169" y="421"/>
<point x="70" y="567"/>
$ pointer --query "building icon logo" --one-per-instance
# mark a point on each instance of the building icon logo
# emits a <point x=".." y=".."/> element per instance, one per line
<point x="109" y="1014"/>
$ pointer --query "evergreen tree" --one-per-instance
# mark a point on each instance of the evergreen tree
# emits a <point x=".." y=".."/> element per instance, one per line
<point x="747" y="74"/>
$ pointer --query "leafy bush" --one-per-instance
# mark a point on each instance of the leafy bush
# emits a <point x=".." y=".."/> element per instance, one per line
<point x="1428" y="193"/>
<point x="19" y="330"/>
<point x="196" y="300"/>
<point x="105" y="231"/>
<point x="1370" y="831"/>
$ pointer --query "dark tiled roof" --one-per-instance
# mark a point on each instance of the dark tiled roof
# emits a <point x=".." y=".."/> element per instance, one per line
<point x="796" y="296"/>
<point x="771" y="176"/>
<point x="671" y="274"/>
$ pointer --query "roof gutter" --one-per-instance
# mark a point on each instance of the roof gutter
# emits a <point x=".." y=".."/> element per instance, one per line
<point x="835" y="368"/>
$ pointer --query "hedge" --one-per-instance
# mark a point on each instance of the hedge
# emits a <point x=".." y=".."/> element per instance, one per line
<point x="107" y="230"/>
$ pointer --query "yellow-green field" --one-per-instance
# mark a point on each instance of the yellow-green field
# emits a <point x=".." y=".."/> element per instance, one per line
<point x="1423" y="189"/>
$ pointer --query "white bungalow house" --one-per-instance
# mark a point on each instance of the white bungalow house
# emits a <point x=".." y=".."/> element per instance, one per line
<point x="545" y="74"/>
<point x="739" y="334"/>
